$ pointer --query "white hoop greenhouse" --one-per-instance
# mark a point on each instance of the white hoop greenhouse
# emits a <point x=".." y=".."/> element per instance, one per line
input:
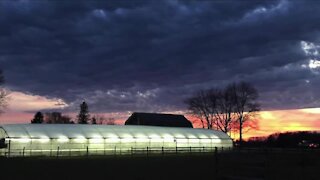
<point x="75" y="140"/>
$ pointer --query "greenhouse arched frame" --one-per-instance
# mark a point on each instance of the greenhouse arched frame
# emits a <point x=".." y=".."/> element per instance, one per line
<point x="79" y="139"/>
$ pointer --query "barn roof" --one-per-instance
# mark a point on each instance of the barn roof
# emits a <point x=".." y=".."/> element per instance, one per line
<point x="155" y="119"/>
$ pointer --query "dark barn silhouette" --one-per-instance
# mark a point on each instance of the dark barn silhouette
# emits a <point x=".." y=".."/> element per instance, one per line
<point x="155" y="119"/>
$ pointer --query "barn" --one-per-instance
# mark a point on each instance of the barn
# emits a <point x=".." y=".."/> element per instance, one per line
<point x="156" y="119"/>
<point x="80" y="139"/>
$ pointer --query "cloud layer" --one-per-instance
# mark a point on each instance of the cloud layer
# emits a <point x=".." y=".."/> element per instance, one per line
<point x="150" y="55"/>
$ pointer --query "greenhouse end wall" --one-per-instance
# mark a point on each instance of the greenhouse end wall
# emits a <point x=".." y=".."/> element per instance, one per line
<point x="77" y="140"/>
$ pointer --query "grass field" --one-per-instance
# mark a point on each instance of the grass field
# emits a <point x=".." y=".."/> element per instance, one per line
<point x="237" y="164"/>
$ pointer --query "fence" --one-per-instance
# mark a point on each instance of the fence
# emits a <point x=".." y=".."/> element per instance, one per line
<point x="110" y="151"/>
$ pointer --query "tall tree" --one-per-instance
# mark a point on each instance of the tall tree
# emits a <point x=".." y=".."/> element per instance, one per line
<point x="225" y="114"/>
<point x="83" y="116"/>
<point x="38" y="118"/>
<point x="246" y="104"/>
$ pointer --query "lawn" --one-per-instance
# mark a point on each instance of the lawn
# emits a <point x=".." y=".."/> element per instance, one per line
<point x="237" y="164"/>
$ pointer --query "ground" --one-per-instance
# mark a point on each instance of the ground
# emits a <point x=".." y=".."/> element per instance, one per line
<point x="238" y="164"/>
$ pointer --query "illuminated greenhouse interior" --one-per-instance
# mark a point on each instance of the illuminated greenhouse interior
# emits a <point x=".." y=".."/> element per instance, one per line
<point x="71" y="139"/>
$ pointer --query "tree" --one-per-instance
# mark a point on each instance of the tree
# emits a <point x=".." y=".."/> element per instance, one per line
<point x="65" y="119"/>
<point x="223" y="108"/>
<point x="57" y="118"/>
<point x="213" y="107"/>
<point x="225" y="114"/>
<point x="93" y="120"/>
<point x="83" y="116"/>
<point x="101" y="119"/>
<point x="3" y="93"/>
<point x="38" y="118"/>
<point x="246" y="104"/>
<point x="201" y="105"/>
<point x="110" y="121"/>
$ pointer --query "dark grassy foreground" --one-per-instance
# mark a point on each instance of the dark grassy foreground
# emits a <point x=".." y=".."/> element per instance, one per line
<point x="244" y="164"/>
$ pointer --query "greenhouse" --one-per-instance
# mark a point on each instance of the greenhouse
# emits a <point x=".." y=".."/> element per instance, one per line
<point x="77" y="140"/>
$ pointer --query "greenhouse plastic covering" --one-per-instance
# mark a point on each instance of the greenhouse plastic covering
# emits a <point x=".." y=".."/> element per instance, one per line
<point x="77" y="139"/>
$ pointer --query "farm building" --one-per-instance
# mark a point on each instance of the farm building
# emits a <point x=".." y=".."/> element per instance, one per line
<point x="77" y="139"/>
<point x="155" y="119"/>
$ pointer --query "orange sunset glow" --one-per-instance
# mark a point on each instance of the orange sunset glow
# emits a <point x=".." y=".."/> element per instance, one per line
<point x="22" y="107"/>
<point x="287" y="120"/>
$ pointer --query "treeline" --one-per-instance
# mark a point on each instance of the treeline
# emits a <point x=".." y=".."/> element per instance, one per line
<point x="301" y="139"/>
<point x="51" y="118"/>
<point x="83" y="117"/>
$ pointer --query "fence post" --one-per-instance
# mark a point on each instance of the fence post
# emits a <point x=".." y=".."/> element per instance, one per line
<point x="176" y="149"/>
<point x="87" y="151"/>
<point x="147" y="150"/>
<point x="162" y="150"/>
<point x="58" y="151"/>
<point x="23" y="151"/>
<point x="9" y="152"/>
<point x="216" y="160"/>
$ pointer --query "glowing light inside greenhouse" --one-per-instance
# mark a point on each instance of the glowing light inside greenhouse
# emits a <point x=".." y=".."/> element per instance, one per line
<point x="142" y="139"/>
<point x="141" y="136"/>
<point x="154" y="136"/>
<point x="22" y="139"/>
<point x="205" y="140"/>
<point x="80" y="139"/>
<point x="216" y="140"/>
<point x="182" y="140"/>
<point x="43" y="139"/>
<point x="127" y="140"/>
<point x="112" y="139"/>
<point x="168" y="138"/>
<point x="180" y="136"/>
<point x="63" y="139"/>
<point x="192" y="136"/>
<point x="194" y="140"/>
<point x="96" y="140"/>
<point x="202" y="136"/>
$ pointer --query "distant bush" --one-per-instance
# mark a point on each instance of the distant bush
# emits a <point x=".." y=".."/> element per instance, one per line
<point x="301" y="139"/>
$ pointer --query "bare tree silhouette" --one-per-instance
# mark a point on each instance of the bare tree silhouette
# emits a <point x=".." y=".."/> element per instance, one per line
<point x="3" y="93"/>
<point x="57" y="118"/>
<point x="246" y="104"/>
<point x="221" y="109"/>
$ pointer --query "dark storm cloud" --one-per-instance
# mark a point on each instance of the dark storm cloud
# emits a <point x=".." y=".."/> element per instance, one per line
<point x="150" y="55"/>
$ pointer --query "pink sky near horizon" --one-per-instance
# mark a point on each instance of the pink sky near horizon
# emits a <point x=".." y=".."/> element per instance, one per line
<point x="22" y="107"/>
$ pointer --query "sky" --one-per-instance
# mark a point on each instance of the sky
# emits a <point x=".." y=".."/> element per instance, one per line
<point x="149" y="55"/>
